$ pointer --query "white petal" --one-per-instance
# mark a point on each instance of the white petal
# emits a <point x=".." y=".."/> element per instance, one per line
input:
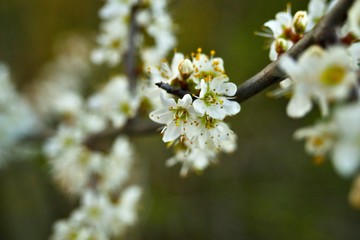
<point x="273" y="55"/>
<point x="228" y="89"/>
<point x="288" y="65"/>
<point x="118" y="119"/>
<point x="231" y="107"/>
<point x="167" y="102"/>
<point x="204" y="88"/>
<point x="215" y="112"/>
<point x="216" y="82"/>
<point x="185" y="101"/>
<point x="201" y="162"/>
<point x="346" y="158"/>
<point x="275" y="27"/>
<point x="299" y="105"/>
<point x="316" y="8"/>
<point x="162" y="116"/>
<point x="178" y="57"/>
<point x="191" y="130"/>
<point x="172" y="132"/>
<point x="199" y="106"/>
<point x="284" y="18"/>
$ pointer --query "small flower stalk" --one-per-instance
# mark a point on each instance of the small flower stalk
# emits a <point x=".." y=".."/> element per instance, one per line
<point x="195" y="125"/>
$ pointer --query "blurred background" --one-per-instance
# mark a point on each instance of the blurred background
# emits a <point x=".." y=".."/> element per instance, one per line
<point x="268" y="189"/>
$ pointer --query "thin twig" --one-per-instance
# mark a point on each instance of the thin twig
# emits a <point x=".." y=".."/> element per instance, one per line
<point x="130" y="61"/>
<point x="101" y="141"/>
<point x="175" y="91"/>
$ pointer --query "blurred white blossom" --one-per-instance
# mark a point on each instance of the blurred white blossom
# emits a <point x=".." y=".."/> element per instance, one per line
<point x="114" y="101"/>
<point x="320" y="75"/>
<point x="17" y="117"/>
<point x="153" y="20"/>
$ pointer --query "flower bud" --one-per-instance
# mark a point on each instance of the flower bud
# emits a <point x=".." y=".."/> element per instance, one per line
<point x="300" y="21"/>
<point x="282" y="45"/>
<point x="185" y="68"/>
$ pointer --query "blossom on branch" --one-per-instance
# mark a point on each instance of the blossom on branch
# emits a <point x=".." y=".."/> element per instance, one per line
<point x="213" y="98"/>
<point x="287" y="29"/>
<point x="321" y="75"/>
<point x="178" y="117"/>
<point x="196" y="128"/>
<point x="114" y="101"/>
<point x="150" y="20"/>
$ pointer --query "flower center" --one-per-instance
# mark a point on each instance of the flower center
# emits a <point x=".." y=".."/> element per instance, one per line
<point x="124" y="107"/>
<point x="207" y="76"/>
<point x="333" y="75"/>
<point x="209" y="122"/>
<point x="210" y="98"/>
<point x="317" y="141"/>
<point x="115" y="44"/>
<point x="180" y="115"/>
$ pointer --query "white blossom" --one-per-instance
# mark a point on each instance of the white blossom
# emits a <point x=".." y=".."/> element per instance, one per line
<point x="114" y="101"/>
<point x="178" y="117"/>
<point x="17" y="117"/>
<point x="206" y="68"/>
<point x="320" y="139"/>
<point x="113" y="40"/>
<point x="213" y="99"/>
<point x="193" y="159"/>
<point x="58" y="86"/>
<point x="125" y="210"/>
<point x="318" y="75"/>
<point x="287" y="29"/>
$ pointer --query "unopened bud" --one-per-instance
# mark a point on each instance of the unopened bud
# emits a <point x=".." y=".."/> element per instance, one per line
<point x="282" y="45"/>
<point x="300" y="21"/>
<point x="185" y="68"/>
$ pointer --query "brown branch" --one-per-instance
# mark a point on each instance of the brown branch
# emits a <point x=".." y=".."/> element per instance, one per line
<point x="175" y="91"/>
<point x="102" y="141"/>
<point x="130" y="61"/>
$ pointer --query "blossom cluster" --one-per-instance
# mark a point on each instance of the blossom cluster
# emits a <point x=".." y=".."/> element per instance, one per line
<point x="58" y="84"/>
<point x="151" y="18"/>
<point x="101" y="179"/>
<point x="194" y="124"/>
<point x="329" y="77"/>
<point x="287" y="29"/>
<point x="100" y="216"/>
